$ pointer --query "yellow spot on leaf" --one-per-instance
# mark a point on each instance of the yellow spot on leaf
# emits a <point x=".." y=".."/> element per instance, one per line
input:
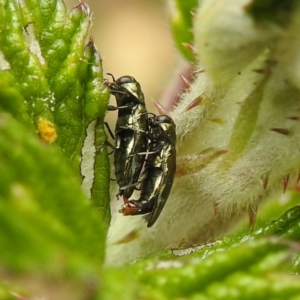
<point x="46" y="130"/>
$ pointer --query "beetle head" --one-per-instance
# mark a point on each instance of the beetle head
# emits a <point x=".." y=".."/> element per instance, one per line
<point x="166" y="127"/>
<point x="126" y="89"/>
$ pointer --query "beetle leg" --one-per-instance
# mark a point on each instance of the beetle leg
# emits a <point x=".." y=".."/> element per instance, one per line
<point x="106" y="143"/>
<point x="128" y="210"/>
<point x="111" y="108"/>
<point x="109" y="130"/>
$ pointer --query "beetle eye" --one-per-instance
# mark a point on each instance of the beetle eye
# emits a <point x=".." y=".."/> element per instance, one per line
<point x="164" y="119"/>
<point x="113" y="85"/>
<point x="125" y="79"/>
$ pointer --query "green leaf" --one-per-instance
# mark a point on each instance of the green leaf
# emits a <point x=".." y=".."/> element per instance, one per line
<point x="51" y="90"/>
<point x="286" y="226"/>
<point x="182" y="25"/>
<point x="245" y="122"/>
<point x="59" y="76"/>
<point x="43" y="211"/>
<point x="241" y="266"/>
<point x="11" y="99"/>
<point x="258" y="263"/>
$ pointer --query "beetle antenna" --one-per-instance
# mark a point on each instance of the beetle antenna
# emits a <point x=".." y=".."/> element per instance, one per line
<point x="152" y="114"/>
<point x="111" y="76"/>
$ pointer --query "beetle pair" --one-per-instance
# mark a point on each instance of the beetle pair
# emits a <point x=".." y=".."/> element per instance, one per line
<point x="142" y="141"/>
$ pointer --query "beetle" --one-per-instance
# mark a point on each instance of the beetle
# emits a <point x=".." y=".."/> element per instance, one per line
<point x="157" y="178"/>
<point x="131" y="131"/>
